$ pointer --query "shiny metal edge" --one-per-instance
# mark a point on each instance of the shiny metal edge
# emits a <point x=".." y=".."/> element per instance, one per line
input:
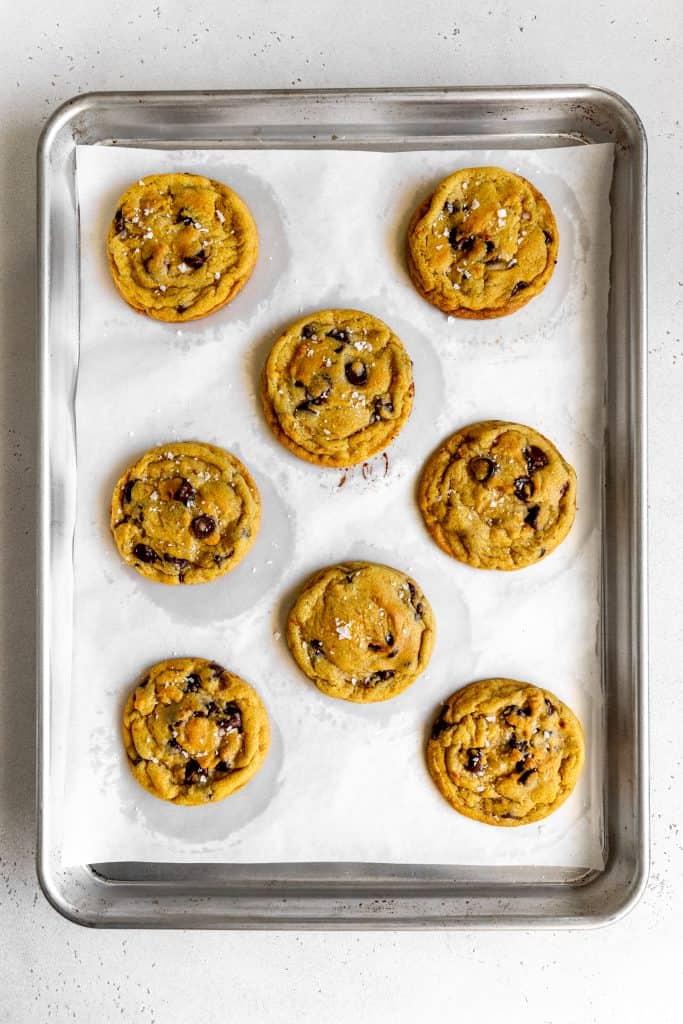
<point x="82" y="894"/>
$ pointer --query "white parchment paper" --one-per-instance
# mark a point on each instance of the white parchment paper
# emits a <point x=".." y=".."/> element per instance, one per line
<point x="341" y="782"/>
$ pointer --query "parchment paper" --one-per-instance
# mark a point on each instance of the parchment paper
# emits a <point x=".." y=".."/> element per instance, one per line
<point x="341" y="782"/>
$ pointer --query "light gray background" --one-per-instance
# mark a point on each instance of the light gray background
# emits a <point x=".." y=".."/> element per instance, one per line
<point x="53" y="970"/>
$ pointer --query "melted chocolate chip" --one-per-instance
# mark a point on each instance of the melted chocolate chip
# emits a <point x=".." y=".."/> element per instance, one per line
<point x="183" y="218"/>
<point x="182" y="564"/>
<point x="212" y="708"/>
<point x="564" y="488"/>
<point x="490" y="246"/>
<point x="317" y="646"/>
<point x="308" y="331"/>
<point x="185" y="493"/>
<point x="467" y="244"/>
<point x="482" y="469"/>
<point x="310" y="401"/>
<point x="223" y="767"/>
<point x="389" y="639"/>
<point x="203" y="526"/>
<point x="524" y="488"/>
<point x="475" y="761"/>
<point x="339" y="335"/>
<point x="531" y="518"/>
<point x="512" y="709"/>
<point x="196" y="261"/>
<point x="516" y="744"/>
<point x="379" y="677"/>
<point x="119" y="221"/>
<point x="194" y="771"/>
<point x="550" y="707"/>
<point x="144" y="553"/>
<point x="379" y="405"/>
<point x="548" y="237"/>
<point x="440" y="726"/>
<point x="519" y="767"/>
<point x="525" y="776"/>
<point x="374" y="647"/>
<point x="356" y="372"/>
<point x="453" y="238"/>
<point x="127" y="491"/>
<point x="535" y="458"/>
<point x="173" y="744"/>
<point x="519" y="287"/>
<point x="232" y="717"/>
<point x="216" y="668"/>
<point x="192" y="683"/>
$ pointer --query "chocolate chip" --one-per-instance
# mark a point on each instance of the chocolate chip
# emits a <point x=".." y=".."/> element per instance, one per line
<point x="524" y="488"/>
<point x="232" y="717"/>
<point x="308" y="331"/>
<point x="519" y="767"/>
<point x="194" y="771"/>
<point x="196" y="261"/>
<point x="181" y="564"/>
<point x="475" y="761"/>
<point x="516" y="744"/>
<point x="119" y="221"/>
<point x="339" y="335"/>
<point x="212" y="708"/>
<point x="450" y="207"/>
<point x="144" y="553"/>
<point x="440" y="726"/>
<point x="223" y="767"/>
<point x="379" y="677"/>
<point x="183" y="218"/>
<point x="525" y="776"/>
<point x="519" y="287"/>
<point x="317" y="646"/>
<point x="453" y="238"/>
<point x="374" y="647"/>
<point x="185" y="493"/>
<point x="550" y="707"/>
<point x="173" y="744"/>
<point x="482" y="469"/>
<point x="535" y="457"/>
<point x="203" y="526"/>
<point x="311" y="400"/>
<point x="564" y="489"/>
<point x="467" y="244"/>
<point x="216" y="668"/>
<point x="127" y="491"/>
<point x="531" y="518"/>
<point x="356" y="372"/>
<point x="381" y="404"/>
<point x="490" y="246"/>
<point x="389" y="639"/>
<point x="192" y="683"/>
<point x="512" y="709"/>
<point x="548" y="237"/>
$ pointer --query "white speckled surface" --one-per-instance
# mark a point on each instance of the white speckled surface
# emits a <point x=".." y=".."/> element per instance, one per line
<point x="54" y="971"/>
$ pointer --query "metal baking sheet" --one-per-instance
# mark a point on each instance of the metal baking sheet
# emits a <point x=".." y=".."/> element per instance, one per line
<point x="361" y="895"/>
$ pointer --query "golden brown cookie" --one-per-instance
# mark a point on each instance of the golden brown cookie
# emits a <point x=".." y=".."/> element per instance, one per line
<point x="185" y="512"/>
<point x="180" y="246"/>
<point x="362" y="632"/>
<point x="337" y="387"/>
<point x="194" y="732"/>
<point x="505" y="753"/>
<point x="497" y="495"/>
<point x="483" y="244"/>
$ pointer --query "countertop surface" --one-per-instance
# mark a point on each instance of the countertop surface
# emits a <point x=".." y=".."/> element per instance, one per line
<point x="54" y="970"/>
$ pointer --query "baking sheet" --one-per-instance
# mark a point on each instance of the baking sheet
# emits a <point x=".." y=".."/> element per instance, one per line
<point x="341" y="782"/>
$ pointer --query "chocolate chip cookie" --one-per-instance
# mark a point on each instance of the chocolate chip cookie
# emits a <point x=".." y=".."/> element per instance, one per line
<point x="483" y="244"/>
<point x="504" y="752"/>
<point x="180" y="246"/>
<point x="337" y="387"/>
<point x="498" y="495"/>
<point x="185" y="512"/>
<point x="362" y="632"/>
<point x="194" y="732"/>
